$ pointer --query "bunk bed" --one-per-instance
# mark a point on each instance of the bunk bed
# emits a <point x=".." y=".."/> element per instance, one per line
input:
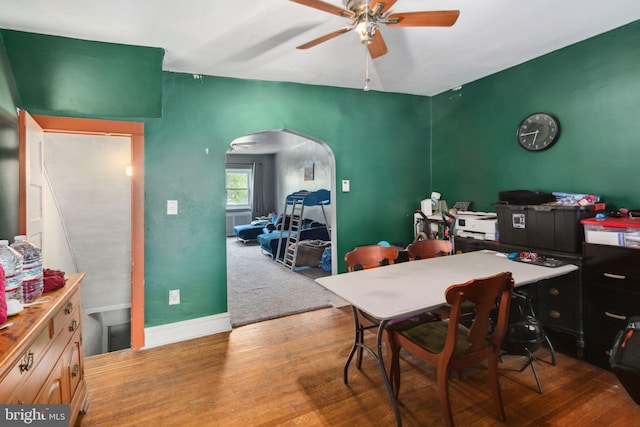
<point x="282" y="244"/>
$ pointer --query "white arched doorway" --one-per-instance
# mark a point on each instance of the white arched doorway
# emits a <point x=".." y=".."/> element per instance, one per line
<point x="278" y="159"/>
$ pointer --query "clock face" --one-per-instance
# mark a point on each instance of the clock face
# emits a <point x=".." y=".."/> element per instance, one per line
<point x="538" y="131"/>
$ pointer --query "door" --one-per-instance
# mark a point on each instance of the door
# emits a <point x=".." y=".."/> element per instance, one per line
<point x="31" y="160"/>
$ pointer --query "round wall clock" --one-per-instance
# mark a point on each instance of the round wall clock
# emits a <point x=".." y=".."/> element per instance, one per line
<point x="538" y="131"/>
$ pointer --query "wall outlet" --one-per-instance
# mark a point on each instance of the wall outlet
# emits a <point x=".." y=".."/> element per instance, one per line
<point x="174" y="296"/>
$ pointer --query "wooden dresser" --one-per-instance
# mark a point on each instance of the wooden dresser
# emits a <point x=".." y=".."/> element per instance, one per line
<point x="41" y="354"/>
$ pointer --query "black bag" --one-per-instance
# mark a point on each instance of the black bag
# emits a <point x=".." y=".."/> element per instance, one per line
<point x="524" y="332"/>
<point x="625" y="358"/>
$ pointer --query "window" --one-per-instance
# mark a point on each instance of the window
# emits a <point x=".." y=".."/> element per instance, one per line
<point x="239" y="185"/>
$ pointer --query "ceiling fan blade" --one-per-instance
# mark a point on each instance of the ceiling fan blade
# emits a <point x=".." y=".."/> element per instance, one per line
<point x="443" y="18"/>
<point x="324" y="38"/>
<point x="326" y="7"/>
<point x="377" y="47"/>
<point x="384" y="5"/>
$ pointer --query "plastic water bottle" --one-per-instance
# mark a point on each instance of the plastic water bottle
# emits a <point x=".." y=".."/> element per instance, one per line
<point x="32" y="282"/>
<point x="11" y="261"/>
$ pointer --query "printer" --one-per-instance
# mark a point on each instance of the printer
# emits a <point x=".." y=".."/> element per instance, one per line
<point x="477" y="225"/>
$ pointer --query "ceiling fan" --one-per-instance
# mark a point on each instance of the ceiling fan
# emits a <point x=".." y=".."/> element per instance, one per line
<point x="367" y="17"/>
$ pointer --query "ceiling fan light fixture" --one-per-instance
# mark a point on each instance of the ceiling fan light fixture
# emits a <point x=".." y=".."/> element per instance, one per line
<point x="366" y="31"/>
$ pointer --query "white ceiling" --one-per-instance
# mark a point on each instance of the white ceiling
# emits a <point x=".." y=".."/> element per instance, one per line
<point x="267" y="142"/>
<point x="257" y="39"/>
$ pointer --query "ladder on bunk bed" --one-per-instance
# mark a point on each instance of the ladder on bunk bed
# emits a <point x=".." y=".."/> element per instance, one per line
<point x="296" y="202"/>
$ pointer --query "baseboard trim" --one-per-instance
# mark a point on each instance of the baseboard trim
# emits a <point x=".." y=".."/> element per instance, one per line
<point x="156" y="336"/>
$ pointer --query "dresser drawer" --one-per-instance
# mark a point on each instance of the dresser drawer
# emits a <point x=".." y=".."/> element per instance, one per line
<point x="67" y="311"/>
<point x="606" y="313"/>
<point x="558" y="302"/>
<point x="26" y="364"/>
<point x="616" y="267"/>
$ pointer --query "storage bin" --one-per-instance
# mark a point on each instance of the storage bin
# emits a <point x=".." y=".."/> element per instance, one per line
<point x="542" y="226"/>
<point x="612" y="231"/>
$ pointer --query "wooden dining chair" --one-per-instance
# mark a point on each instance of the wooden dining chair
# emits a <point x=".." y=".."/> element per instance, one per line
<point x="362" y="258"/>
<point x="372" y="256"/>
<point x="430" y="248"/>
<point x="447" y="345"/>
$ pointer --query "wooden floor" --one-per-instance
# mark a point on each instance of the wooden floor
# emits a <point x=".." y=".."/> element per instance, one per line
<point x="288" y="371"/>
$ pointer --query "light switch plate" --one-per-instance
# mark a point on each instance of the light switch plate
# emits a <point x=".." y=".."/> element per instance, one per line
<point x="346" y="186"/>
<point x="174" y="296"/>
<point x="172" y="207"/>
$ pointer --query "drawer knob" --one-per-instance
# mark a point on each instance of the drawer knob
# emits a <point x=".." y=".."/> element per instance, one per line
<point x="555" y="314"/>
<point x="614" y="276"/>
<point x="27" y="362"/>
<point x="554" y="292"/>
<point x="74" y="325"/>
<point x="68" y="308"/>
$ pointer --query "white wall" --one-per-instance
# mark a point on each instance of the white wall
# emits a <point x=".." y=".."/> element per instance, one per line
<point x="290" y="164"/>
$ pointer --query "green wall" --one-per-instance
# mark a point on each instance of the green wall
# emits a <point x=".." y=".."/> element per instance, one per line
<point x="592" y="87"/>
<point x="381" y="149"/>
<point x="80" y="78"/>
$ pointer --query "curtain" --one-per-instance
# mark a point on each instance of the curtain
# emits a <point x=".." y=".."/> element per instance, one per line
<point x="258" y="191"/>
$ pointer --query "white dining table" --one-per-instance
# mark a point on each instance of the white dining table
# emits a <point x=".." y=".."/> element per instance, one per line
<point x="408" y="288"/>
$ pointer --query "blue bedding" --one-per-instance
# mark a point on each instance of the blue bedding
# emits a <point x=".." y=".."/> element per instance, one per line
<point x="251" y="231"/>
<point x="269" y="242"/>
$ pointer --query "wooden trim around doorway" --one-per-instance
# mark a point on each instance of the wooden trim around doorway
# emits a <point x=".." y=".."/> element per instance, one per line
<point x="135" y="131"/>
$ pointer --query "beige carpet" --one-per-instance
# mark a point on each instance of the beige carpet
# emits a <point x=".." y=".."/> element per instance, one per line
<point x="260" y="288"/>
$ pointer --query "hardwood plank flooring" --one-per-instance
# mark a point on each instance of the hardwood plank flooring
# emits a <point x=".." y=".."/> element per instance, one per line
<point x="288" y="372"/>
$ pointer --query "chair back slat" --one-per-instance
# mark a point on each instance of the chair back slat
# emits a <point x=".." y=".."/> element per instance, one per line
<point x="484" y="293"/>
<point x="430" y="248"/>
<point x="370" y="256"/>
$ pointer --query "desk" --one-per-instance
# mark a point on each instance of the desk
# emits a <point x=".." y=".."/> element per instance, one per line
<point x="410" y="288"/>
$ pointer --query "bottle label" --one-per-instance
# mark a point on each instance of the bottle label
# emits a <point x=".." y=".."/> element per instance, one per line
<point x="32" y="273"/>
<point x="13" y="282"/>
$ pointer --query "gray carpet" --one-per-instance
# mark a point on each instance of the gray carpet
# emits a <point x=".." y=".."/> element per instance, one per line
<point x="260" y="288"/>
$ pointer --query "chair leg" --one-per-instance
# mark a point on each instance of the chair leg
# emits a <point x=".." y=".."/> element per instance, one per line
<point x="443" y="391"/>
<point x="531" y="362"/>
<point x="494" y="382"/>
<point x="551" y="349"/>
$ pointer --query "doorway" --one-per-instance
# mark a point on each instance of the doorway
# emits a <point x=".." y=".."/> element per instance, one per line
<point x="280" y="158"/>
<point x="87" y="218"/>
<point x="135" y="132"/>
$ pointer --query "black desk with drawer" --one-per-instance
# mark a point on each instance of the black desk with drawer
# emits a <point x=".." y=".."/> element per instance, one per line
<point x="558" y="301"/>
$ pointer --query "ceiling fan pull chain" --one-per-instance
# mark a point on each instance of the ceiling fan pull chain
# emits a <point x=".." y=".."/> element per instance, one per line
<point x="366" y="48"/>
<point x="366" y="69"/>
